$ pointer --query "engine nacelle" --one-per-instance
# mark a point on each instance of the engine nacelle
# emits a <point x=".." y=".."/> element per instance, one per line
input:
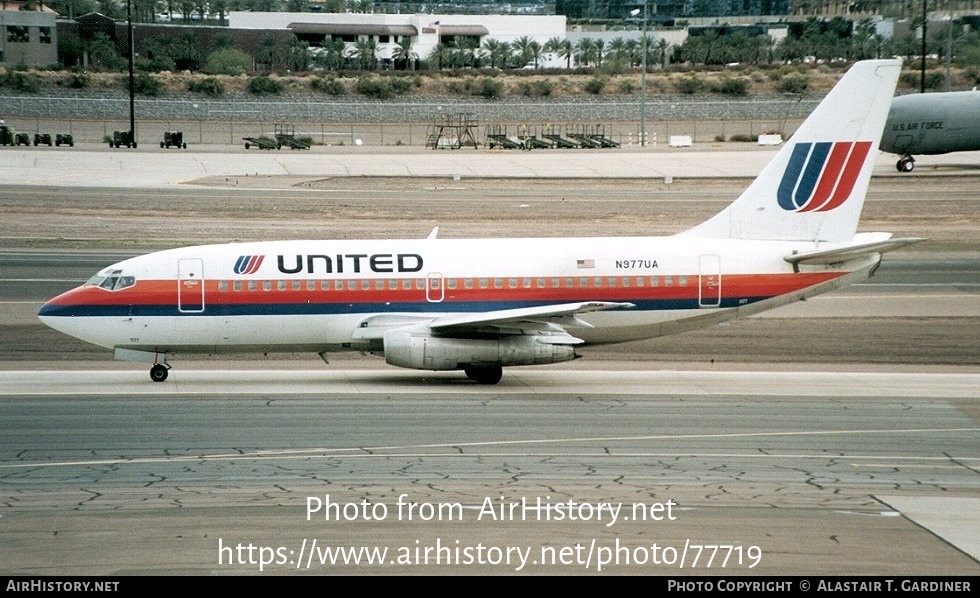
<point x="424" y="352"/>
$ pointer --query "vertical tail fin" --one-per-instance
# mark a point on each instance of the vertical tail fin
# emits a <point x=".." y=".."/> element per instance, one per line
<point x="814" y="188"/>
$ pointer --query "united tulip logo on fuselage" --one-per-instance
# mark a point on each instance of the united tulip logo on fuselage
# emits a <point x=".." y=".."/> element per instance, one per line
<point x="248" y="264"/>
<point x="820" y="176"/>
<point x="331" y="264"/>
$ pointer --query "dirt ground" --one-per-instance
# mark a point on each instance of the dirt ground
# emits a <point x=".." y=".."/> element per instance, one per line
<point x="396" y="207"/>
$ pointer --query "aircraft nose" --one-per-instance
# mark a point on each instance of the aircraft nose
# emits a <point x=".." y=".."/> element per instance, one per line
<point x="61" y="305"/>
<point x="48" y="309"/>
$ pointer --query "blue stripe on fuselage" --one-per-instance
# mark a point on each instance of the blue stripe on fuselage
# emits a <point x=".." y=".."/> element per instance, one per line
<point x="329" y="309"/>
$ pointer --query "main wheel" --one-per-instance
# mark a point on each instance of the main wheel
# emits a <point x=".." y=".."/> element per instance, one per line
<point x="158" y="373"/>
<point x="489" y="374"/>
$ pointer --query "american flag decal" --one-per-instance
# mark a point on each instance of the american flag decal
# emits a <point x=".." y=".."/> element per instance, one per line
<point x="585" y="263"/>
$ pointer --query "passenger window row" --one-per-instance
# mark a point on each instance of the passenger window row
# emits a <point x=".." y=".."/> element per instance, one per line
<point x="434" y="282"/>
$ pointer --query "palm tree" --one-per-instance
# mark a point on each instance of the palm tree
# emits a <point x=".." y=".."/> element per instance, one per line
<point x="330" y="55"/>
<point x="440" y="54"/>
<point x="498" y="51"/>
<point x="364" y="52"/>
<point x="404" y="54"/>
<point x="524" y="48"/>
<point x="663" y="53"/>
<point x="220" y="7"/>
<point x="585" y="51"/>
<point x="464" y="50"/>
<point x="617" y="51"/>
<point x="201" y="6"/>
<point x="184" y="51"/>
<point x="560" y="47"/>
<point x="186" y="8"/>
<point x="536" y="52"/>
<point x="298" y="54"/>
<point x="268" y="53"/>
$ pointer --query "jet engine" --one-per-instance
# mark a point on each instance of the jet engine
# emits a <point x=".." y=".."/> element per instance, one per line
<point x="422" y="351"/>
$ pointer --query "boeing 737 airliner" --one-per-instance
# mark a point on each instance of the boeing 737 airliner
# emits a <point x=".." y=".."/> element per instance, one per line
<point x="478" y="305"/>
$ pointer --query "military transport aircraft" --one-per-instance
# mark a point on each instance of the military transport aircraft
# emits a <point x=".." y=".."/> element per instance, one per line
<point x="478" y="305"/>
<point x="932" y="123"/>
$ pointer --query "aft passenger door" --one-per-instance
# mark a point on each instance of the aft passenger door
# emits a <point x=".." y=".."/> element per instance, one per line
<point x="709" y="277"/>
<point x="190" y="285"/>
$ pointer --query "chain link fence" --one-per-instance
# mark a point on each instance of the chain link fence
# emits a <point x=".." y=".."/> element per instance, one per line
<point x="404" y="123"/>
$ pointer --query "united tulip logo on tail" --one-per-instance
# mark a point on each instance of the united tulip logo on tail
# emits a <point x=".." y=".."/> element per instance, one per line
<point x="248" y="264"/>
<point x="821" y="176"/>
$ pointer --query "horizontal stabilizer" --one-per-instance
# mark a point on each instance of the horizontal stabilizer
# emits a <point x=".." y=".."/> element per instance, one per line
<point x="843" y="254"/>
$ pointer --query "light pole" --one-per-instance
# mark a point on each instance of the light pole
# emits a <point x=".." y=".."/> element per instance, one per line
<point x="643" y="82"/>
<point x="925" y="17"/>
<point x="643" y="77"/>
<point x="132" y="102"/>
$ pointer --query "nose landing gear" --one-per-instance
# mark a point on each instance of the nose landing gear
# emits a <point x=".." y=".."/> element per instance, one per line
<point x="159" y="371"/>
<point x="905" y="164"/>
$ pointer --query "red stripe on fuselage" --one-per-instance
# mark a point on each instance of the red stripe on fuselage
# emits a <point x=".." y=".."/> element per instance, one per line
<point x="612" y="288"/>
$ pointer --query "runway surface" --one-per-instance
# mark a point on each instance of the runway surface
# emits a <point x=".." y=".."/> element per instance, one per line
<point x="833" y="437"/>
<point x="803" y="473"/>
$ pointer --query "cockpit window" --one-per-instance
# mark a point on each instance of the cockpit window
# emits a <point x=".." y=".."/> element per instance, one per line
<point x="114" y="281"/>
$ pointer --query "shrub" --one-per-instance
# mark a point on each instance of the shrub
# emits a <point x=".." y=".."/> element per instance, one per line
<point x="154" y="63"/>
<point x="228" y="61"/>
<point x="794" y="83"/>
<point x="263" y="84"/>
<point x="690" y="84"/>
<point x="595" y="86"/>
<point x="79" y="80"/>
<point x="733" y="86"/>
<point x="402" y="85"/>
<point x="490" y="88"/>
<point x="375" y="87"/>
<point x="27" y="82"/>
<point x="331" y="87"/>
<point x="934" y="79"/>
<point x="541" y="87"/>
<point x="146" y="84"/>
<point x="627" y="86"/>
<point x="209" y="86"/>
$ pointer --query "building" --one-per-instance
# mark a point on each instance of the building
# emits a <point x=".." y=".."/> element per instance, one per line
<point x="423" y="31"/>
<point x="28" y="39"/>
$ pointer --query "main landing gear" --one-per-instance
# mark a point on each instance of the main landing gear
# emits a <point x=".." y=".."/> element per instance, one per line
<point x="485" y="374"/>
<point x="905" y="164"/>
<point x="159" y="371"/>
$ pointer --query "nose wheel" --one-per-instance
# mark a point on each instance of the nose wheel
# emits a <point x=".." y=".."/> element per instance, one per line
<point x="906" y="164"/>
<point x="158" y="373"/>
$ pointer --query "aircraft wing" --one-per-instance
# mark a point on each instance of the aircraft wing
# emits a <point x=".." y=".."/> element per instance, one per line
<point x="549" y="320"/>
<point x="563" y="313"/>
<point x="850" y="252"/>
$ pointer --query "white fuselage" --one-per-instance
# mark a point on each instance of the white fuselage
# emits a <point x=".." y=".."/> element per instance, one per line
<point x="317" y="295"/>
